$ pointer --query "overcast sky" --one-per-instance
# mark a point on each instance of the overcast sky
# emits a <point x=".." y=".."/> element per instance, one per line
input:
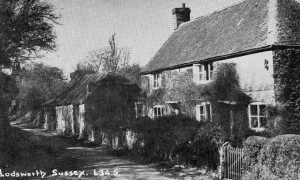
<point x="141" y="25"/>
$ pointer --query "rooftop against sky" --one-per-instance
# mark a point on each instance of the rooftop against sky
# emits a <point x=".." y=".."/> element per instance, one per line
<point x="141" y="25"/>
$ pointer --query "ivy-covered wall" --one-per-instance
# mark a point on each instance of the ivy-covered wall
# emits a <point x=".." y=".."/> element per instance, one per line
<point x="223" y="93"/>
<point x="287" y="88"/>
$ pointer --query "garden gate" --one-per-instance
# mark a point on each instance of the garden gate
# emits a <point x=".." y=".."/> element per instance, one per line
<point x="231" y="162"/>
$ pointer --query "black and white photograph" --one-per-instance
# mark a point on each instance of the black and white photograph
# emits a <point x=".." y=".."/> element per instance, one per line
<point x="149" y="89"/>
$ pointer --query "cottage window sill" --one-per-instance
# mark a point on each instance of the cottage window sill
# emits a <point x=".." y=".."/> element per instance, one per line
<point x="258" y="129"/>
<point x="203" y="82"/>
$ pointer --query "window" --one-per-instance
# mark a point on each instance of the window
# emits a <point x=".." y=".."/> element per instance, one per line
<point x="257" y="116"/>
<point x="202" y="72"/>
<point x="210" y="71"/>
<point x="157" y="80"/>
<point x="204" y="111"/>
<point x="158" y="111"/>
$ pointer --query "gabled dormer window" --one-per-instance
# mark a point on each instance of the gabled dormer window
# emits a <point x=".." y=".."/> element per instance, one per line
<point x="157" y="80"/>
<point x="202" y="73"/>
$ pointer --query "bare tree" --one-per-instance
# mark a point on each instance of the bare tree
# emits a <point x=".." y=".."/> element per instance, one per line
<point x="109" y="59"/>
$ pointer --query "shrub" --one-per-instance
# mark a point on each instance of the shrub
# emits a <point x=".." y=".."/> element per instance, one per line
<point x="281" y="157"/>
<point x="159" y="137"/>
<point x="252" y="147"/>
<point x="179" y="137"/>
<point x="203" y="151"/>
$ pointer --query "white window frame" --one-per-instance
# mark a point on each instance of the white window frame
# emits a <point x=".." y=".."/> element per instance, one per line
<point x="157" y="80"/>
<point x="161" y="107"/>
<point x="200" y="75"/>
<point x="204" y="116"/>
<point x="258" y="116"/>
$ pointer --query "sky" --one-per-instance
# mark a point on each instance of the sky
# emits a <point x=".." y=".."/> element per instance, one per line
<point x="140" y="25"/>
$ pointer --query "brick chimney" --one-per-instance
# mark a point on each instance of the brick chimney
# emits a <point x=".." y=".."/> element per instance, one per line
<point x="181" y="15"/>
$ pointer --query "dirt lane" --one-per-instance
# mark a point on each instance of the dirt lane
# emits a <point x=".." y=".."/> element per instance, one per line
<point x="76" y="162"/>
<point x="95" y="164"/>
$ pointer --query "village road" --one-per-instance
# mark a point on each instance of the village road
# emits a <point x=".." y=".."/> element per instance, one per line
<point x="95" y="164"/>
<point x="92" y="163"/>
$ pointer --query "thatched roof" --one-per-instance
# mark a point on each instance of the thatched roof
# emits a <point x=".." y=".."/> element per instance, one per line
<point x="77" y="92"/>
<point x="248" y="27"/>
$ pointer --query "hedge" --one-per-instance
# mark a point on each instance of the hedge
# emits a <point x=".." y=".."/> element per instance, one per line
<point x="252" y="147"/>
<point x="281" y="157"/>
<point x="180" y="139"/>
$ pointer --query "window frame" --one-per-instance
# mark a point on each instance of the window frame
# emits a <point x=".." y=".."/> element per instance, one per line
<point x="204" y="74"/>
<point x="157" y="78"/>
<point x="204" y="116"/>
<point x="258" y="116"/>
<point x="161" y="107"/>
<point x="210" y="71"/>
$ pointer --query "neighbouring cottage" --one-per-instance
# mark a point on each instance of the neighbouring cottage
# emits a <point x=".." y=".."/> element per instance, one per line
<point x="67" y="114"/>
<point x="249" y="34"/>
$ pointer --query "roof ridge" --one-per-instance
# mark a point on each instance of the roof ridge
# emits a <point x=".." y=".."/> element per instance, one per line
<point x="223" y="9"/>
<point x="212" y="13"/>
<point x="247" y="25"/>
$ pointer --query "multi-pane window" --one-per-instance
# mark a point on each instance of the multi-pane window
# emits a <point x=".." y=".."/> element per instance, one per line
<point x="204" y="111"/>
<point x="257" y="116"/>
<point x="158" y="111"/>
<point x="157" y="80"/>
<point x="202" y="72"/>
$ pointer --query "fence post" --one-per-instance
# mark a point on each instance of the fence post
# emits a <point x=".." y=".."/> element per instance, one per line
<point x="222" y="152"/>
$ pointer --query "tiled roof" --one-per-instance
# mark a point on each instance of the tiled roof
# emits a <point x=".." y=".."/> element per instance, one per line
<point x="249" y="25"/>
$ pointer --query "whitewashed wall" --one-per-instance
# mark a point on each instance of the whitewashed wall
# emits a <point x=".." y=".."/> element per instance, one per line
<point x="65" y="121"/>
<point x="60" y="126"/>
<point x="69" y="118"/>
<point x="255" y="78"/>
<point x="47" y="120"/>
<point x="81" y="120"/>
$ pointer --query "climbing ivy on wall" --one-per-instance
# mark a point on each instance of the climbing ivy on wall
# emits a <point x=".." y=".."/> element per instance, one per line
<point x="223" y="90"/>
<point x="287" y="87"/>
<point x="181" y="88"/>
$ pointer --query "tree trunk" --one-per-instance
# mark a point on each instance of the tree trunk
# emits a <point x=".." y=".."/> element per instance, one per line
<point x="5" y="143"/>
